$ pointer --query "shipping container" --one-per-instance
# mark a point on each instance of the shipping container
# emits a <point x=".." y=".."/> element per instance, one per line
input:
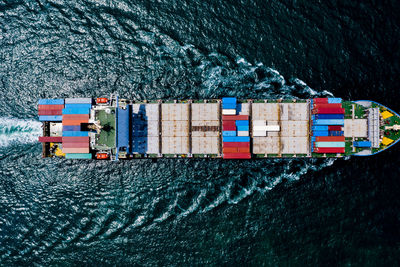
<point x="236" y="139"/>
<point x="236" y="144"/>
<point x="328" y="122"/>
<point x="242" y="123"/>
<point x="259" y="133"/>
<point x="267" y="128"/>
<point x="229" y="149"/>
<point x="329" y="150"/>
<point x="362" y="144"/>
<point x="243" y="133"/>
<point x="53" y="139"/>
<point x="229" y="106"/>
<point x="334" y="128"/>
<point x="75" y="133"/>
<point x="235" y="117"/>
<point x="75" y="111"/>
<point x="51" y="112"/>
<point x="320" y="133"/>
<point x="75" y="145"/>
<point x="51" y="101"/>
<point x="50" y="107"/>
<point x="228" y="133"/>
<point x="71" y="128"/>
<point x="333" y="100"/>
<point x="74" y="122"/>
<point x="78" y="101"/>
<point x="123" y="129"/>
<point x="237" y="156"/>
<point x="82" y="117"/>
<point x="329" y="116"/>
<point x="336" y="133"/>
<point x="75" y="150"/>
<point x="329" y="144"/>
<point x="229" y="112"/>
<point x="228" y="128"/>
<point x="75" y="139"/>
<point x="328" y="111"/>
<point x="330" y="139"/>
<point x="50" y="118"/>
<point x="320" y="128"/>
<point x="243" y="128"/>
<point x="229" y="100"/>
<point x="316" y="106"/>
<point x="320" y="100"/>
<point x="228" y="123"/>
<point x="73" y="106"/>
<point x="78" y="156"/>
<point x="244" y="149"/>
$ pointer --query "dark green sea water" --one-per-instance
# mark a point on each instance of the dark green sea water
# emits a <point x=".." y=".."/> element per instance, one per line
<point x="343" y="212"/>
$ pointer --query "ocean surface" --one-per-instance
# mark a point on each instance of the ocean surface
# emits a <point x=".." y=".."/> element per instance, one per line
<point x="343" y="212"/>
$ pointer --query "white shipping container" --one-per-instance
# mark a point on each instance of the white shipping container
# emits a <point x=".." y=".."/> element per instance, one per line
<point x="268" y="128"/>
<point x="229" y="112"/>
<point x="259" y="123"/>
<point x="259" y="133"/>
<point x="243" y="133"/>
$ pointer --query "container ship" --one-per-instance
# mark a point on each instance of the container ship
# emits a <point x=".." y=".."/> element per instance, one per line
<point x="115" y="129"/>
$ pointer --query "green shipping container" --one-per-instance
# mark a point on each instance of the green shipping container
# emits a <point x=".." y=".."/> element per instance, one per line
<point x="78" y="156"/>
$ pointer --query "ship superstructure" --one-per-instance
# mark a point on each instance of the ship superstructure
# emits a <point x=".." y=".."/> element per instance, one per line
<point x="117" y="129"/>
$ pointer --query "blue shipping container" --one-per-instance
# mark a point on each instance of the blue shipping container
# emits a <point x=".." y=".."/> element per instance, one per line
<point x="329" y="144"/>
<point x="313" y="138"/>
<point x="320" y="128"/>
<point x="242" y="127"/>
<point x="329" y="122"/>
<point x="320" y="133"/>
<point x="228" y="105"/>
<point x="329" y="116"/>
<point x="236" y="139"/>
<point x="51" y="101"/>
<point x="72" y="106"/>
<point x="50" y="118"/>
<point x="71" y="128"/>
<point x="362" y="143"/>
<point x="231" y="100"/>
<point x="78" y="156"/>
<point x="123" y="128"/>
<point x="75" y="133"/>
<point x="336" y="133"/>
<point x="242" y="123"/>
<point x="334" y="100"/>
<point x="72" y="111"/>
<point x="228" y="133"/>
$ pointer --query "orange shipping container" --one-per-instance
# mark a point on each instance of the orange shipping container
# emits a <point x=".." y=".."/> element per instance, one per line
<point x="75" y="150"/>
<point x="229" y="149"/>
<point x="244" y="149"/>
<point x="50" y="107"/>
<point x="73" y="122"/>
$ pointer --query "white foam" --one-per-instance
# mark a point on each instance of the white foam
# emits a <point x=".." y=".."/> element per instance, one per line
<point x="18" y="131"/>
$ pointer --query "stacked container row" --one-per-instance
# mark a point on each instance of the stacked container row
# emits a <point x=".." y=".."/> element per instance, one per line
<point x="50" y="109"/>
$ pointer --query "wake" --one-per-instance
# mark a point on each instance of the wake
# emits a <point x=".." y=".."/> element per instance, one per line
<point x="18" y="131"/>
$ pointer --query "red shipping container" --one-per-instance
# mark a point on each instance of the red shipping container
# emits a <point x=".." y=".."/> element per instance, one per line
<point x="244" y="149"/>
<point x="229" y="150"/>
<point x="75" y="139"/>
<point x="75" y="150"/>
<point x="53" y="139"/>
<point x="329" y="150"/>
<point x="330" y="139"/>
<point x="237" y="156"/>
<point x="320" y="100"/>
<point x="229" y="128"/>
<point x="50" y="107"/>
<point x="334" y="128"/>
<point x="52" y="112"/>
<point x="228" y="123"/>
<point x="236" y="144"/>
<point x="235" y="117"/>
<point x="329" y="111"/>
<point x="328" y="105"/>
<point x="76" y="117"/>
<point x="75" y="145"/>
